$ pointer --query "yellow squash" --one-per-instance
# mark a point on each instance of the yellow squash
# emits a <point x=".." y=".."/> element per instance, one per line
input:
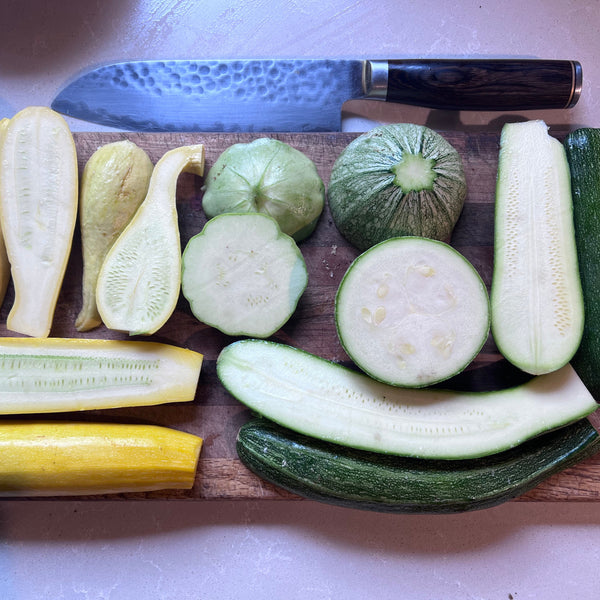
<point x="43" y="375"/>
<point x="63" y="458"/>
<point x="4" y="264"/>
<point x="140" y="279"/>
<point x="113" y="185"/>
<point x="38" y="210"/>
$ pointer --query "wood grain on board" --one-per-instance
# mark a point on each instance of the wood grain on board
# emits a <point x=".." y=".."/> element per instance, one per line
<point x="216" y="416"/>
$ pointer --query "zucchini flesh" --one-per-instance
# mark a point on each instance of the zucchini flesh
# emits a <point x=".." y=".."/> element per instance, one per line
<point x="38" y="205"/>
<point x="328" y="401"/>
<point x="536" y="298"/>
<point x="412" y="312"/>
<point x="583" y="153"/>
<point x="357" y="479"/>
<point x="60" y="374"/>
<point x="67" y="458"/>
<point x="242" y="275"/>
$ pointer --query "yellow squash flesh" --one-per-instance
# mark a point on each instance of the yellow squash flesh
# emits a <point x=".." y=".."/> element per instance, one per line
<point x="43" y="375"/>
<point x="140" y="279"/>
<point x="113" y="185"/>
<point x="4" y="264"/>
<point x="63" y="458"/>
<point x="38" y="210"/>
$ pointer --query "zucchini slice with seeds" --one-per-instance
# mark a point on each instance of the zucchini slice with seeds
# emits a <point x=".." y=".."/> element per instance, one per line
<point x="325" y="400"/>
<point x="536" y="296"/>
<point x="412" y="312"/>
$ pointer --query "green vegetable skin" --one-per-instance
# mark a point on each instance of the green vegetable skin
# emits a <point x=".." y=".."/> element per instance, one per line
<point x="583" y="153"/>
<point x="270" y="177"/>
<point x="396" y="180"/>
<point x="362" y="480"/>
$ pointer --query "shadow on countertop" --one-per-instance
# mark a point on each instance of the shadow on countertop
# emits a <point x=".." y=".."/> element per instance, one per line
<point x="37" y="35"/>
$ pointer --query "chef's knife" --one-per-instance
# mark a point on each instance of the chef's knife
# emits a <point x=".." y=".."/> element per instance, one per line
<point x="305" y="95"/>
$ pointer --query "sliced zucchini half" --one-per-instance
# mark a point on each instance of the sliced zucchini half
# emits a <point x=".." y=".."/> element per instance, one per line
<point x="536" y="295"/>
<point x="325" y="400"/>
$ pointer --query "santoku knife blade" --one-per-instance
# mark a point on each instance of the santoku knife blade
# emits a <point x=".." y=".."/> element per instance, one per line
<point x="305" y="94"/>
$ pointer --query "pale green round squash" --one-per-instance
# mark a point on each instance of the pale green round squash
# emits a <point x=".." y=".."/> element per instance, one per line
<point x="270" y="177"/>
<point x="397" y="180"/>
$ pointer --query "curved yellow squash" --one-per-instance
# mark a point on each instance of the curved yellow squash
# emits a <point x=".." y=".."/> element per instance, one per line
<point x="140" y="279"/>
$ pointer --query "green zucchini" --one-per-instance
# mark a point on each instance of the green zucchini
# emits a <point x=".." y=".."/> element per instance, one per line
<point x="412" y="312"/>
<point x="583" y="153"/>
<point x="397" y="179"/>
<point x="363" y="480"/>
<point x="536" y="297"/>
<point x="328" y="401"/>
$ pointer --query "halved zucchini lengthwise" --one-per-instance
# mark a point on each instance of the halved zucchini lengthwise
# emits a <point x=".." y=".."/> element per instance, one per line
<point x="363" y="480"/>
<point x="536" y="298"/>
<point x="328" y="401"/>
<point x="61" y="374"/>
<point x="66" y="458"/>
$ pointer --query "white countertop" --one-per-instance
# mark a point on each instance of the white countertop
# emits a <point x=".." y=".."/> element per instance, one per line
<point x="226" y="550"/>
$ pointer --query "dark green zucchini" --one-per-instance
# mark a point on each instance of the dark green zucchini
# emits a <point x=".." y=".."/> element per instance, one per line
<point x="358" y="479"/>
<point x="583" y="154"/>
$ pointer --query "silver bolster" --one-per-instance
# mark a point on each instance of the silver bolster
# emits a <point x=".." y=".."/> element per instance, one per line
<point x="375" y="79"/>
<point x="577" y="84"/>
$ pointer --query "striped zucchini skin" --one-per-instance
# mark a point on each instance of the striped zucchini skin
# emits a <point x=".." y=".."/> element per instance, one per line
<point x="583" y="154"/>
<point x="358" y="479"/>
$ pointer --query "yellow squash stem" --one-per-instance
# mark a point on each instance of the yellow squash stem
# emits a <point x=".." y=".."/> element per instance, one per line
<point x="140" y="279"/>
<point x="43" y="375"/>
<point x="38" y="209"/>
<point x="67" y="458"/>
<point x="113" y="185"/>
<point x="4" y="264"/>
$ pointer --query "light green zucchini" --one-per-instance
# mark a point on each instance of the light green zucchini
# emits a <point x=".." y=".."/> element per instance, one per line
<point x="325" y="400"/>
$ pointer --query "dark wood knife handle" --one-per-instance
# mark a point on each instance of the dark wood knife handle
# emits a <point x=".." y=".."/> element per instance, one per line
<point x="496" y="84"/>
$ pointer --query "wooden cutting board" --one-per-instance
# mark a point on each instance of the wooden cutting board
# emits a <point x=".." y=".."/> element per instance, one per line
<point x="216" y="416"/>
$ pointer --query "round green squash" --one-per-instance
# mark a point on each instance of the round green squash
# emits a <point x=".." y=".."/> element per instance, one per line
<point x="397" y="180"/>
<point x="270" y="177"/>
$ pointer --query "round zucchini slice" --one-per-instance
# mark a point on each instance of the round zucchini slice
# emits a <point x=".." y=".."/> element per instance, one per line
<point x="412" y="312"/>
<point x="242" y="275"/>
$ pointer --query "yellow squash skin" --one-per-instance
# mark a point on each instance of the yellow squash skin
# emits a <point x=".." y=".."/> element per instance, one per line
<point x="43" y="375"/>
<point x="113" y="185"/>
<point x="4" y="264"/>
<point x="68" y="458"/>
<point x="140" y="279"/>
<point x="38" y="210"/>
